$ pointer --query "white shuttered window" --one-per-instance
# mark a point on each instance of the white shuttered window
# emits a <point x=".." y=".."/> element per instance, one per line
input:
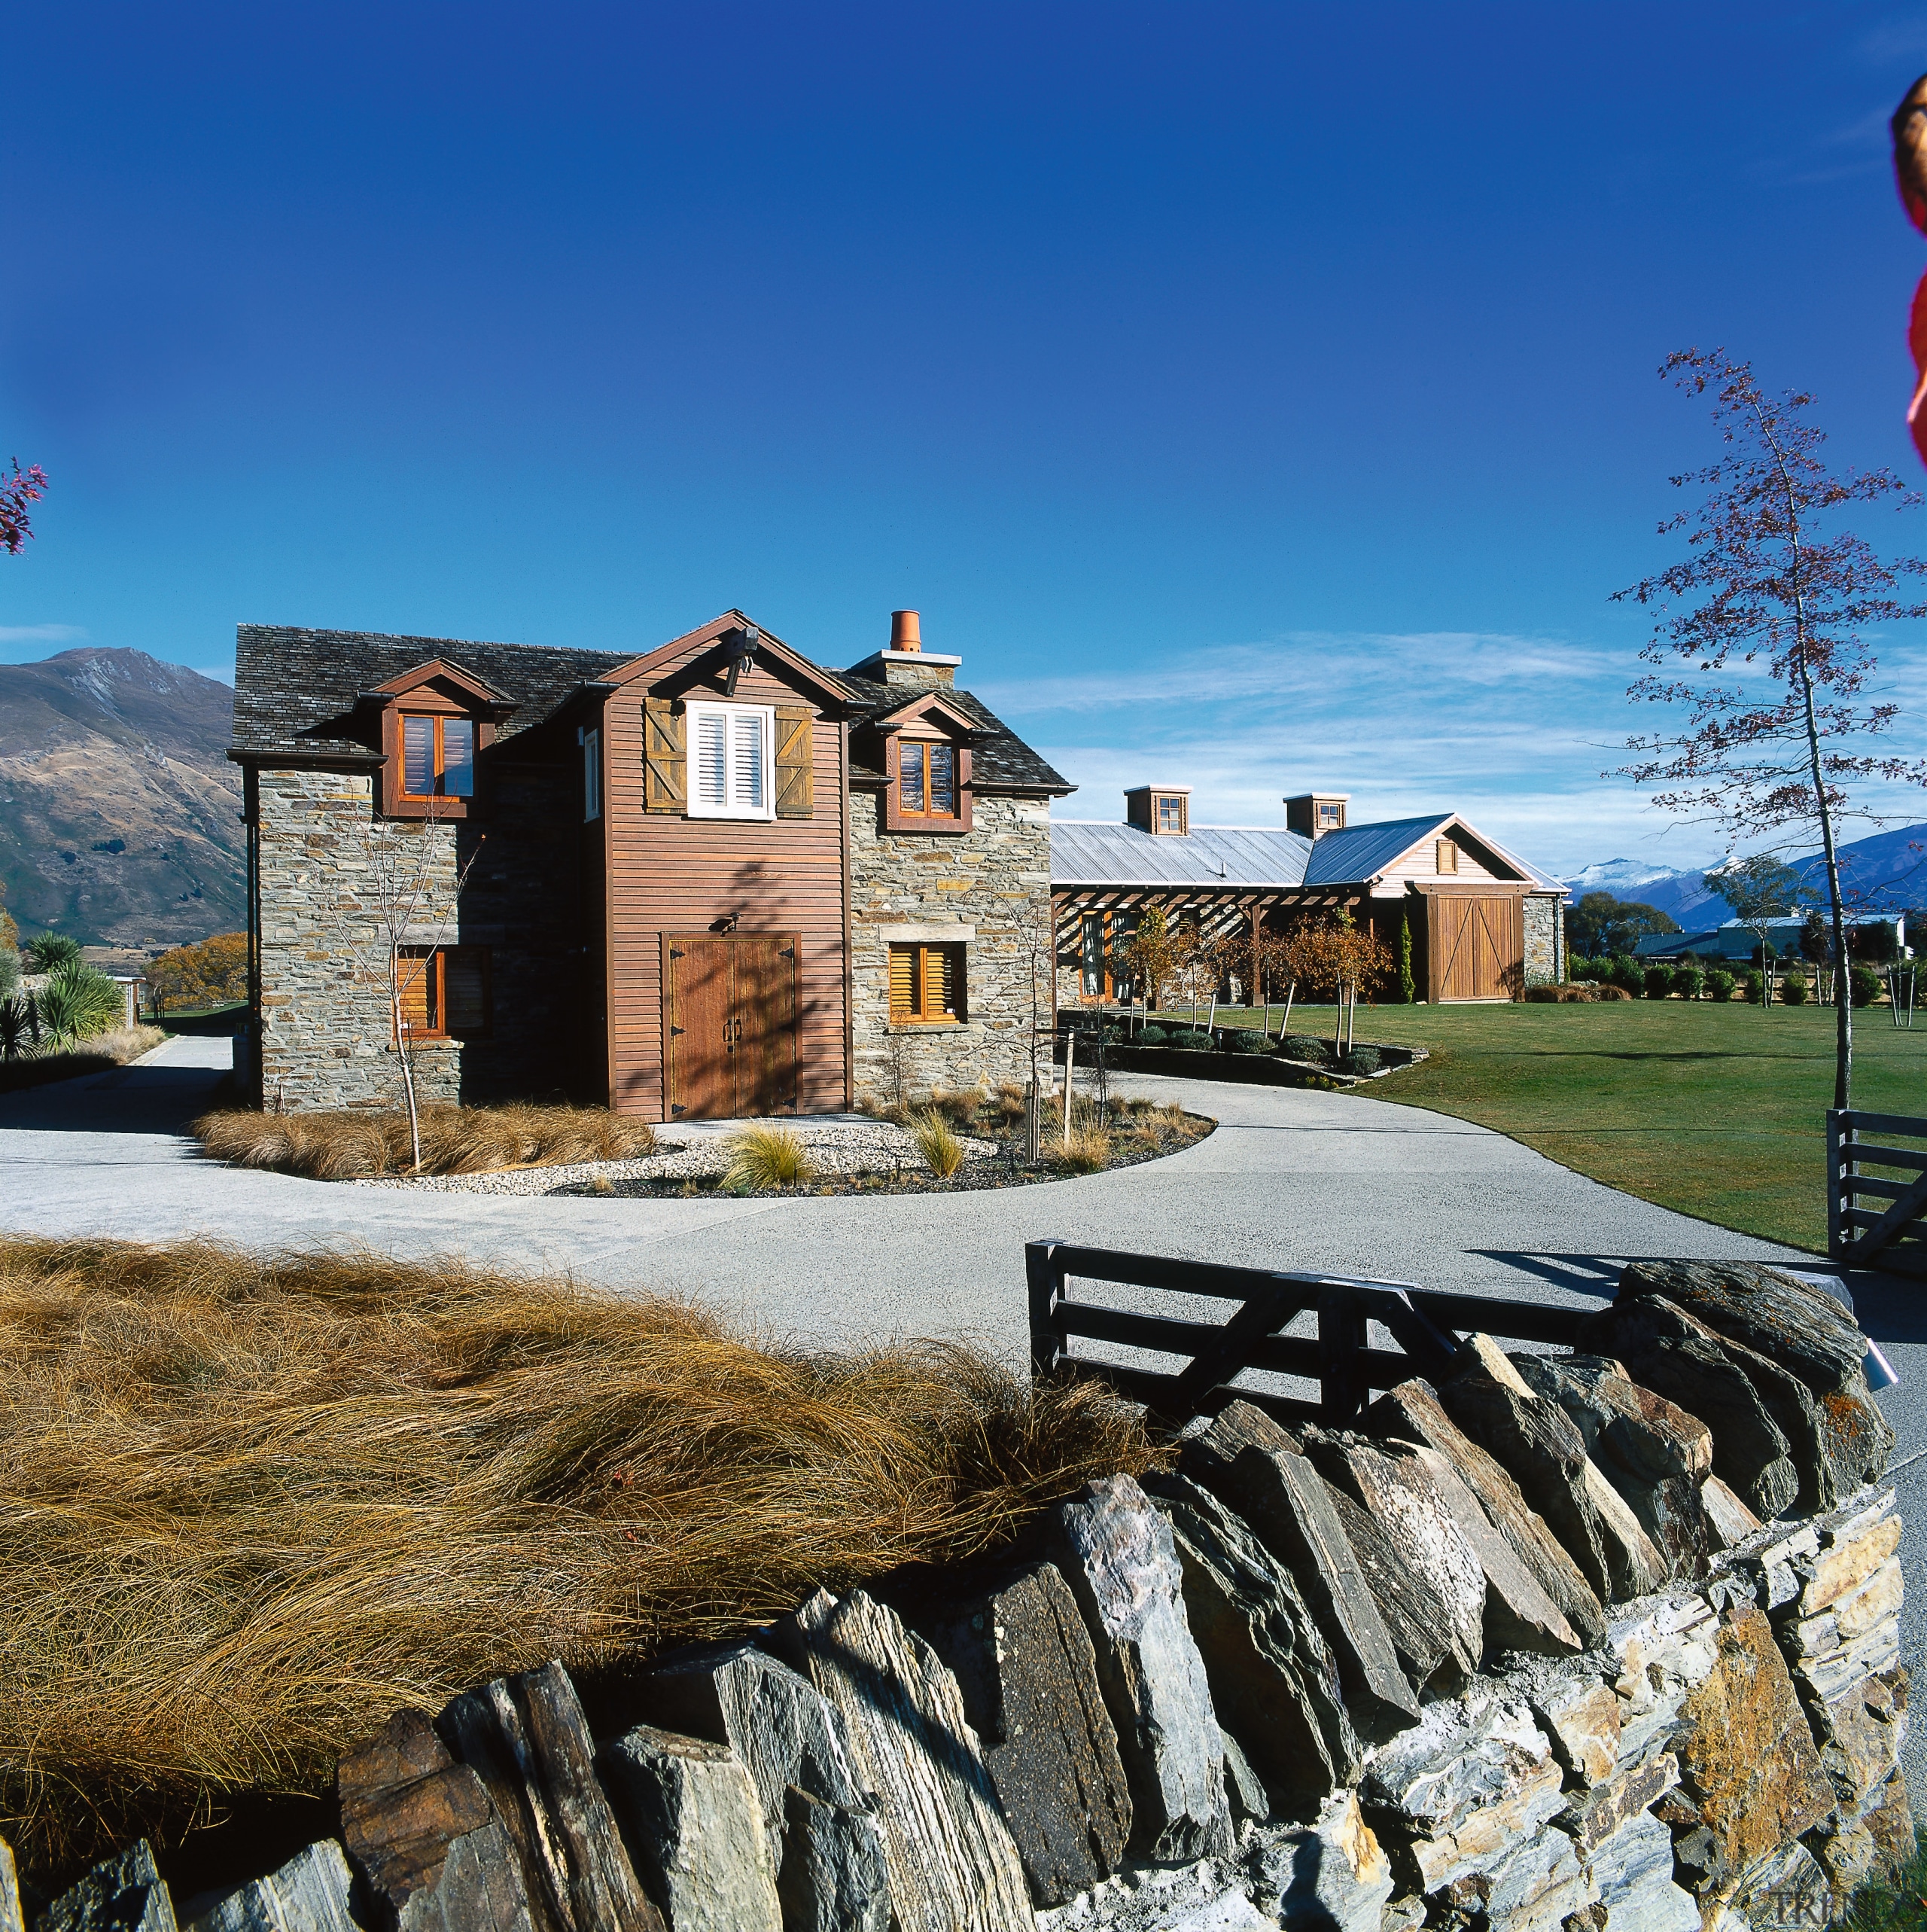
<point x="730" y="750"/>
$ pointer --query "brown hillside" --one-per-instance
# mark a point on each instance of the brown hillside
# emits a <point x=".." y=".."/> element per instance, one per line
<point x="119" y="811"/>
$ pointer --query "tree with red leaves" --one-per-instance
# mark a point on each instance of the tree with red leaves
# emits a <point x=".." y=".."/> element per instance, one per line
<point x="16" y="492"/>
<point x="1769" y="609"/>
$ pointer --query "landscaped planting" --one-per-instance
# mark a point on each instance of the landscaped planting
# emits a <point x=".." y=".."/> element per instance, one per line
<point x="350" y="1146"/>
<point x="256" y="1506"/>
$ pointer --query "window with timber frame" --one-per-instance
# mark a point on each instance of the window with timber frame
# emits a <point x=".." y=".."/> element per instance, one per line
<point x="437" y="756"/>
<point x="926" y="985"/>
<point x="446" y="993"/>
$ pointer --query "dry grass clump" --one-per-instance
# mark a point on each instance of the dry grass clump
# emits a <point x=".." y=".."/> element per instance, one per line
<point x="121" y="1044"/>
<point x="1085" y="1150"/>
<point x="761" y="1156"/>
<point x="252" y="1507"/>
<point x="350" y="1146"/>
<point x="941" y="1150"/>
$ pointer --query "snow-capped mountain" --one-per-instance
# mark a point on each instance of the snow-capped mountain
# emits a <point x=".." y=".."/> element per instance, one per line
<point x="1885" y="872"/>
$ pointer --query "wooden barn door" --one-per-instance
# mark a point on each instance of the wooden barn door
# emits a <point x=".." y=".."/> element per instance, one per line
<point x="728" y="1024"/>
<point x="1477" y="945"/>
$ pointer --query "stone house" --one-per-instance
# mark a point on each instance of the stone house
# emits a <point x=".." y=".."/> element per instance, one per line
<point x="1485" y="923"/>
<point x="713" y="879"/>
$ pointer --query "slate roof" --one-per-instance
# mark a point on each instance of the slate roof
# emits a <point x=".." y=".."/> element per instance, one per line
<point x="1090" y="852"/>
<point x="294" y="691"/>
<point x="998" y="758"/>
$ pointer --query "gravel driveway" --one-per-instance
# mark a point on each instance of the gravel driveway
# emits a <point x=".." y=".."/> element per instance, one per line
<point x="1290" y="1179"/>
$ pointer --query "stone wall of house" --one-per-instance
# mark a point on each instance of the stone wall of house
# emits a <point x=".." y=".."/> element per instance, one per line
<point x="327" y="1041"/>
<point x="1543" y="961"/>
<point x="990" y="886"/>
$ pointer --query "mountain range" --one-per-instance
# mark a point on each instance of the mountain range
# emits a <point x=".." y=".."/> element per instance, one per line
<point x="1886" y="871"/>
<point x="120" y="814"/>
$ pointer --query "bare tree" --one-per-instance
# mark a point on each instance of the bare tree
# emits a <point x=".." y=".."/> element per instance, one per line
<point x="1763" y="623"/>
<point x="394" y="917"/>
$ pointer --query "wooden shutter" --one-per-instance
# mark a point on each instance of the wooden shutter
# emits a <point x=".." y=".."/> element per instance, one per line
<point x="465" y="991"/>
<point x="943" y="987"/>
<point x="902" y="981"/>
<point x="417" y="972"/>
<point x="664" y="765"/>
<point x="795" y="767"/>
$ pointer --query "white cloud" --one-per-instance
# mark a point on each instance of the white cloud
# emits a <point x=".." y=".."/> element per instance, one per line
<point x="40" y="633"/>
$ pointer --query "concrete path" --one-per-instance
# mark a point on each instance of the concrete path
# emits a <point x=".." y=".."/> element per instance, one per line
<point x="1291" y="1180"/>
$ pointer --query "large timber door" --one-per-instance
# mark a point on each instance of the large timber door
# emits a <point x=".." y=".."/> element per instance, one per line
<point x="728" y="1024"/>
<point x="1477" y="945"/>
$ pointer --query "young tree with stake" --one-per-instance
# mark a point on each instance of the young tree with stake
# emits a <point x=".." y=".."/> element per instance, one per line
<point x="1760" y="639"/>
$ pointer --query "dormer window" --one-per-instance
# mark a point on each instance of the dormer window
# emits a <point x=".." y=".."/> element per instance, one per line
<point x="437" y="756"/>
<point x="927" y="780"/>
<point x="1331" y="815"/>
<point x="1170" y="811"/>
<point x="437" y="723"/>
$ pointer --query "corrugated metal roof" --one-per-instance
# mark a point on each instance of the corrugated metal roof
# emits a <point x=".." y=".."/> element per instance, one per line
<point x="1090" y="852"/>
<point x="1094" y="852"/>
<point x="1363" y="851"/>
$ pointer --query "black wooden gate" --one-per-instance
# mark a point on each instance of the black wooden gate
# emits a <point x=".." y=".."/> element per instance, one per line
<point x="1424" y="1324"/>
<point x="1877" y="1220"/>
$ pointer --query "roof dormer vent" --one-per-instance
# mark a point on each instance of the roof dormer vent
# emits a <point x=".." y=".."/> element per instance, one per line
<point x="1312" y="814"/>
<point x="1159" y="809"/>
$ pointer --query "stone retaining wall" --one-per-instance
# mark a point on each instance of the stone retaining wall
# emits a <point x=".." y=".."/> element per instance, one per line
<point x="1514" y="1656"/>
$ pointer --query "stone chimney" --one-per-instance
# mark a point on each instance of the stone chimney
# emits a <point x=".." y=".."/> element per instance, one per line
<point x="904" y="660"/>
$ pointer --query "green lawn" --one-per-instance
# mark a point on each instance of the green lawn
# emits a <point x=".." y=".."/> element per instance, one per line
<point x="1716" y="1110"/>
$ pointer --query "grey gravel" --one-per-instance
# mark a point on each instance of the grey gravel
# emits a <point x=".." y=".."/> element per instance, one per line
<point x="698" y="1153"/>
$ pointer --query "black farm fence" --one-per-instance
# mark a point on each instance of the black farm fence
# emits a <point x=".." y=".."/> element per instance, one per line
<point x="1424" y="1324"/>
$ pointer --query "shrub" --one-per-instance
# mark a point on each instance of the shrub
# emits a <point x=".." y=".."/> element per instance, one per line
<point x="1625" y="973"/>
<point x="763" y="1156"/>
<point x="1152" y="1035"/>
<point x="10" y="972"/>
<point x="255" y="1505"/>
<point x="1754" y="985"/>
<point x="48" y="952"/>
<point x="1719" y="984"/>
<point x="455" y="1139"/>
<point x="1362" y="1060"/>
<point x="1794" y="989"/>
<point x="1088" y="1150"/>
<point x="1659" y="983"/>
<point x="14" y="1037"/>
<point x="1304" y="1046"/>
<point x="1864" y="984"/>
<point x="78" y="1002"/>
<point x="941" y="1150"/>
<point x="1687" y="980"/>
<point x="1608" y="991"/>
<point x="1194" y="1039"/>
<point x="1246" y="1040"/>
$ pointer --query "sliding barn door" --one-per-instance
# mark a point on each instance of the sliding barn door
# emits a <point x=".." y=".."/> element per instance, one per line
<point x="728" y="1024"/>
<point x="1477" y="945"/>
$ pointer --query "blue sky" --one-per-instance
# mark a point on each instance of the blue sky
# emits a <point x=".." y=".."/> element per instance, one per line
<point x="1258" y="397"/>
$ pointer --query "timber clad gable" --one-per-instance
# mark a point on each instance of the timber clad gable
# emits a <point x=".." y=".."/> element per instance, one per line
<point x="664" y="941"/>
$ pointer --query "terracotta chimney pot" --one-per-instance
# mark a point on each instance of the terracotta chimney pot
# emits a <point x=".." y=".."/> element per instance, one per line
<point x="903" y="632"/>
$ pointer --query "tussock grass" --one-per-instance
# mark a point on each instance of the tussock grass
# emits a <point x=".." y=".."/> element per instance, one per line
<point x="349" y="1146"/>
<point x="761" y="1156"/>
<point x="942" y="1152"/>
<point x="1087" y="1151"/>
<point x="252" y="1507"/>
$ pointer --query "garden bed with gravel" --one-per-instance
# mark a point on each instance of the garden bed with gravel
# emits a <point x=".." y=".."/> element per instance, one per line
<point x="870" y="1156"/>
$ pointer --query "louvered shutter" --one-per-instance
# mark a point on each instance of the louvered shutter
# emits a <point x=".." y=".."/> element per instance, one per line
<point x="465" y="991"/>
<point x="902" y="981"/>
<point x="663" y="759"/>
<point x="943" y="971"/>
<point x="420" y="1008"/>
<point x="795" y="776"/>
